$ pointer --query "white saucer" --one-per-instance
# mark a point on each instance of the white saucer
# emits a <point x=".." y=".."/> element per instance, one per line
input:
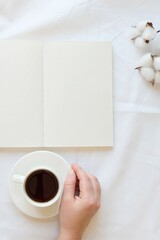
<point x="32" y="160"/>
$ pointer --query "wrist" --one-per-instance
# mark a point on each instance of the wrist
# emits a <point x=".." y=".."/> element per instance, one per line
<point x="69" y="236"/>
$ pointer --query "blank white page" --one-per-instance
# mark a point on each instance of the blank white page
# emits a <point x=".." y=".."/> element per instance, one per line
<point x="77" y="94"/>
<point x="21" y="97"/>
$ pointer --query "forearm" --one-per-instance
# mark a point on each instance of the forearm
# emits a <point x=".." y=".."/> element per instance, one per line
<point x="63" y="236"/>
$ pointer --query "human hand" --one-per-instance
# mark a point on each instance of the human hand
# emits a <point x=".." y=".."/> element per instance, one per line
<point x="77" y="211"/>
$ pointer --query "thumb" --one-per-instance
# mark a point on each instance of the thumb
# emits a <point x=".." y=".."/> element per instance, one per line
<point x="69" y="185"/>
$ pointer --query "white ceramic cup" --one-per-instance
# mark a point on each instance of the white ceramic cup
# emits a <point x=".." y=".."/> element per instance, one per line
<point x="20" y="179"/>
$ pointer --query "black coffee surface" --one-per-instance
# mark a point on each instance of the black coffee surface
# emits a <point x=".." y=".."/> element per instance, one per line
<point x="41" y="186"/>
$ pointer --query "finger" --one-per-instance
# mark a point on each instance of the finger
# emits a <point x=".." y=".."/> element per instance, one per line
<point x="96" y="188"/>
<point x="85" y="184"/>
<point x="69" y="185"/>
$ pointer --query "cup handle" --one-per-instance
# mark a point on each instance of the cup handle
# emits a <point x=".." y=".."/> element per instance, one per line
<point x="18" y="179"/>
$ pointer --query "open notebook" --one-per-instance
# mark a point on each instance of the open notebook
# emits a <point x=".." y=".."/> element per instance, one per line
<point x="55" y="94"/>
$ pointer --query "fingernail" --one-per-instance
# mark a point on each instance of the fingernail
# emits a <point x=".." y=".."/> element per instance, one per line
<point x="71" y="173"/>
<point x="76" y="165"/>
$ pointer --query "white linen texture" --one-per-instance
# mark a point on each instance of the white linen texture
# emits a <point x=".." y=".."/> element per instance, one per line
<point x="129" y="173"/>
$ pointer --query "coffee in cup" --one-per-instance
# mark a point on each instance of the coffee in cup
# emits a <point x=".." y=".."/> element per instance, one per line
<point x="41" y="186"/>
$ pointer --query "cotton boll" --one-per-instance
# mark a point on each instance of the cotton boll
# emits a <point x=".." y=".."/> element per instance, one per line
<point x="157" y="77"/>
<point x="157" y="63"/>
<point x="155" y="45"/>
<point x="142" y="25"/>
<point x="147" y="73"/>
<point x="146" y="60"/>
<point x="149" y="33"/>
<point x="134" y="33"/>
<point x="140" y="43"/>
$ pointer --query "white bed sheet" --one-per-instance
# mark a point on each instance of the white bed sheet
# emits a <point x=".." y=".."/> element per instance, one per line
<point x="130" y="172"/>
